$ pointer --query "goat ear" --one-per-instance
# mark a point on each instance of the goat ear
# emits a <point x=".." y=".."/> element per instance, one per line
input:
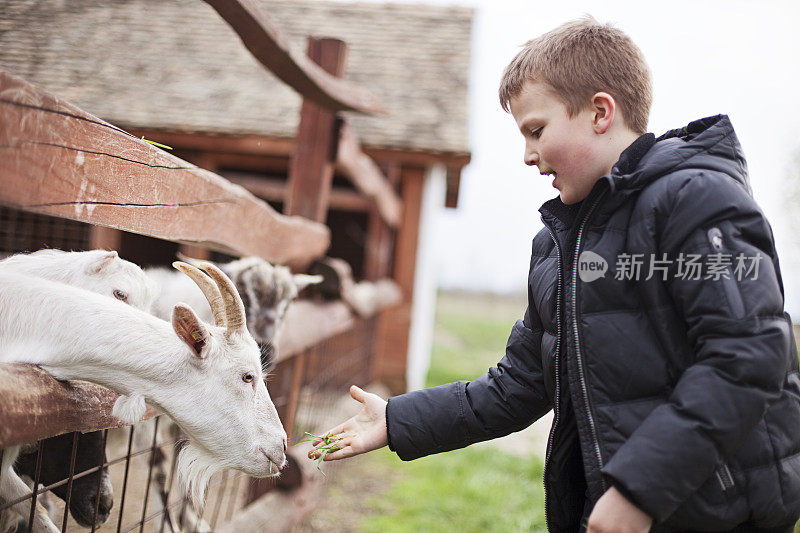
<point x="191" y="330"/>
<point x="304" y="280"/>
<point x="101" y="262"/>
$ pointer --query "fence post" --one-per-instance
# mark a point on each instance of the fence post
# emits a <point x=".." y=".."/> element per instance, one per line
<point x="311" y="168"/>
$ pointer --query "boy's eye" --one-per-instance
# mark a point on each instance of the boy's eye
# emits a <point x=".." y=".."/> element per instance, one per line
<point x="120" y="295"/>
<point x="535" y="133"/>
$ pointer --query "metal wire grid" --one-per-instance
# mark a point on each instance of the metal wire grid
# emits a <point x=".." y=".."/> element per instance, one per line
<point x="21" y="231"/>
<point x="225" y="496"/>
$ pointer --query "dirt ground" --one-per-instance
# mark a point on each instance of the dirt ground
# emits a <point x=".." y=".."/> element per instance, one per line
<point x="342" y="506"/>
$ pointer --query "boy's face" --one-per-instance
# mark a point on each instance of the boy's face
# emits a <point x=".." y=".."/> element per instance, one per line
<point x="567" y="148"/>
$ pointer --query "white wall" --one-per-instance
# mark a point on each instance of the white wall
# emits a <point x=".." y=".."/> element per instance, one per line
<point x="425" y="278"/>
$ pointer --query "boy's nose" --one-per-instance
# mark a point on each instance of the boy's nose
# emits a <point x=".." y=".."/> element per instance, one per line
<point x="531" y="158"/>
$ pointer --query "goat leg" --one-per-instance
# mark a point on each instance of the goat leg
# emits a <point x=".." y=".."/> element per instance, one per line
<point x="13" y="488"/>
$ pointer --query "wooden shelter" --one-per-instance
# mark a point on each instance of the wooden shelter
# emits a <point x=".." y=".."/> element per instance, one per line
<point x="177" y="73"/>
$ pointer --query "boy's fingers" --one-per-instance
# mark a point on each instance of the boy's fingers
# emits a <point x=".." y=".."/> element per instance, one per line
<point x="358" y="394"/>
<point x="335" y="432"/>
<point x="344" y="453"/>
<point x="338" y="438"/>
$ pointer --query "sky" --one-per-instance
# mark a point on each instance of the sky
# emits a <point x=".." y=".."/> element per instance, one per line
<point x="707" y="57"/>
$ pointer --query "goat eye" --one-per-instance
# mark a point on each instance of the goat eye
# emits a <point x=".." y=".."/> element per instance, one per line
<point x="248" y="378"/>
<point x="120" y="295"/>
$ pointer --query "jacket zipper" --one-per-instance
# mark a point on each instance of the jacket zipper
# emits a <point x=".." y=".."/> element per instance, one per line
<point x="582" y="376"/>
<point x="555" y="399"/>
<point x="725" y="477"/>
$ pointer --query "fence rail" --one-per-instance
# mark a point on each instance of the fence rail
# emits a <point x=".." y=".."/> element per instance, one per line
<point x="62" y="161"/>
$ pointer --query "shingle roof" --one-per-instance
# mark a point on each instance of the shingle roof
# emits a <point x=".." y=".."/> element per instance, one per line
<point x="175" y="64"/>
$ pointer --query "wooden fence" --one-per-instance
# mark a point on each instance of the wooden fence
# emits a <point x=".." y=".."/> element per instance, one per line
<point x="57" y="160"/>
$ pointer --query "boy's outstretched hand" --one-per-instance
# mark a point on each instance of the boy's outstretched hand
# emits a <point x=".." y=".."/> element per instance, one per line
<point x="362" y="433"/>
<point x="614" y="512"/>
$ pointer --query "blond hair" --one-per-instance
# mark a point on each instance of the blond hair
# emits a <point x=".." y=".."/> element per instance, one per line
<point x="579" y="59"/>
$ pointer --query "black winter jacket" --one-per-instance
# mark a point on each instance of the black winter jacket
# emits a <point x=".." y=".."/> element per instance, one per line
<point x="685" y="392"/>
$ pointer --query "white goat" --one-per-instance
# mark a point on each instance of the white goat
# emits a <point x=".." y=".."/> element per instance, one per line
<point x="266" y="290"/>
<point x="207" y="378"/>
<point x="99" y="271"/>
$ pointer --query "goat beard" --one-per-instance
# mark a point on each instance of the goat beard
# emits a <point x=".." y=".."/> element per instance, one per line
<point x="195" y="468"/>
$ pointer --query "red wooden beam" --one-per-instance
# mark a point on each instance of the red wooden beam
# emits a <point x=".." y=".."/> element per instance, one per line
<point x="311" y="168"/>
<point x="270" y="48"/>
<point x="33" y="405"/>
<point x="59" y="160"/>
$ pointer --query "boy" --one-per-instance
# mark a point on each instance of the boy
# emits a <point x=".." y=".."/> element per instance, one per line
<point x="655" y="326"/>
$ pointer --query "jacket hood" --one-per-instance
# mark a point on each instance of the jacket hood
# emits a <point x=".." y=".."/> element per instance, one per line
<point x="706" y="144"/>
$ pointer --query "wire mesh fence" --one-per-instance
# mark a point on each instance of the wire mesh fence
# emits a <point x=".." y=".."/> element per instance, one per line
<point x="21" y="231"/>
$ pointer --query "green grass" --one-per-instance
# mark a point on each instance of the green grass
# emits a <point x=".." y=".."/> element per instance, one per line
<point x="471" y="334"/>
<point x="474" y="489"/>
<point x="478" y="488"/>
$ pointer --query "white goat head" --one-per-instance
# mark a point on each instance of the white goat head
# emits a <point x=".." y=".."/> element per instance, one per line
<point x="100" y="271"/>
<point x="224" y="361"/>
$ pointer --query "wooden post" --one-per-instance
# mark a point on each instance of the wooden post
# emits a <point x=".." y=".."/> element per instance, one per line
<point x="298" y="368"/>
<point x="311" y="168"/>
<point x="378" y="252"/>
<point x="394" y="324"/>
<point x="196" y="252"/>
<point x="103" y="238"/>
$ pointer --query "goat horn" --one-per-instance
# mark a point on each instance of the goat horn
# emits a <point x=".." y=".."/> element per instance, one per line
<point x="234" y="308"/>
<point x="209" y="288"/>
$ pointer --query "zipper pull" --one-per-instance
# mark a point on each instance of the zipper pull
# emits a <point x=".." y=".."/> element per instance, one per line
<point x="715" y="238"/>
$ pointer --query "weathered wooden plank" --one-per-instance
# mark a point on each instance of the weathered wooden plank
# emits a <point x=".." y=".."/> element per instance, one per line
<point x="34" y="405"/>
<point x="367" y="177"/>
<point x="270" y="48"/>
<point x="311" y="168"/>
<point x="59" y="160"/>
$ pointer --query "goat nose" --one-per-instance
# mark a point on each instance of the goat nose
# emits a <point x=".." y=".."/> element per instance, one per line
<point x="284" y="444"/>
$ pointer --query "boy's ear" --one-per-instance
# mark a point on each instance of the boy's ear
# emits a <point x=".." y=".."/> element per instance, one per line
<point x="101" y="262"/>
<point x="604" y="110"/>
<point x="191" y="330"/>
